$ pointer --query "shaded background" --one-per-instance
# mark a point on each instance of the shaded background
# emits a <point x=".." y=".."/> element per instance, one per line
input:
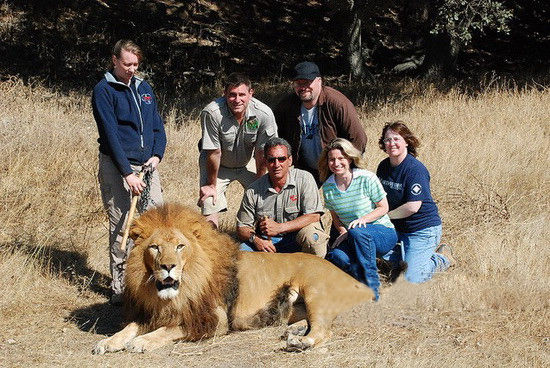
<point x="191" y="44"/>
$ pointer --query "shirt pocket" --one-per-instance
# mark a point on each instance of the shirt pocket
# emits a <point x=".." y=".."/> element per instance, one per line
<point x="227" y="140"/>
<point x="291" y="211"/>
<point x="249" y="139"/>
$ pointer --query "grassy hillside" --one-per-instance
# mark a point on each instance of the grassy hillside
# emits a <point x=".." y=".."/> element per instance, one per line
<point x="488" y="155"/>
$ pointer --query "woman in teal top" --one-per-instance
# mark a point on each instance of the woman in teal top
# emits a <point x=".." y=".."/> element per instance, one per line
<point x="358" y="204"/>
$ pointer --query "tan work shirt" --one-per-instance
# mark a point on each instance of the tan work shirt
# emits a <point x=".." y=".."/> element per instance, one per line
<point x="298" y="197"/>
<point x="237" y="141"/>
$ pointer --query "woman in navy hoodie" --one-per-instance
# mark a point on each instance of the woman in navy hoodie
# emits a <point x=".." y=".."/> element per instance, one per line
<point x="131" y="135"/>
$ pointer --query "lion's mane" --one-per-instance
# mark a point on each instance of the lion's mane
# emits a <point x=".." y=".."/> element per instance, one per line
<point x="209" y="277"/>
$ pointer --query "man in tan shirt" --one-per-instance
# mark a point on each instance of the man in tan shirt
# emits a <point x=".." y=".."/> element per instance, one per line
<point x="280" y="212"/>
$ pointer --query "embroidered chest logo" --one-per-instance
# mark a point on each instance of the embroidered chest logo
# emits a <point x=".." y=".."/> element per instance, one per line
<point x="293" y="198"/>
<point x="416" y="189"/>
<point x="146" y="97"/>
<point x="252" y="123"/>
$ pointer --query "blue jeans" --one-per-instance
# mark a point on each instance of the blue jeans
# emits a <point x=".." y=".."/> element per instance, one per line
<point x="422" y="261"/>
<point x="283" y="244"/>
<point x="357" y="254"/>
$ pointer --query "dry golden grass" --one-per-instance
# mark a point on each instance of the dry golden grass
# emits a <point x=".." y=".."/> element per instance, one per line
<point x="488" y="156"/>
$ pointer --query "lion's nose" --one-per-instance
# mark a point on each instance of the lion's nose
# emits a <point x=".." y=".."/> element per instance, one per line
<point x="167" y="267"/>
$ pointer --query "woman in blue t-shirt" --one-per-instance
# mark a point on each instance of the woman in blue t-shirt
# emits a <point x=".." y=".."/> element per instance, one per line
<point x="359" y="209"/>
<point x="412" y="208"/>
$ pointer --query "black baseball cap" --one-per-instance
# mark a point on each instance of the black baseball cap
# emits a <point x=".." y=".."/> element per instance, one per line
<point x="306" y="70"/>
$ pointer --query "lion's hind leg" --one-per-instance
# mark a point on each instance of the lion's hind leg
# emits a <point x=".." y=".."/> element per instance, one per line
<point x="118" y="341"/>
<point x="317" y="332"/>
<point x="319" y="317"/>
<point x="277" y="311"/>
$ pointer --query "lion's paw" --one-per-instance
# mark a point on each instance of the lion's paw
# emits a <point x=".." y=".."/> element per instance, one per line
<point x="106" y="346"/>
<point x="299" y="330"/>
<point x="298" y="343"/>
<point x="138" y="345"/>
<point x="141" y="344"/>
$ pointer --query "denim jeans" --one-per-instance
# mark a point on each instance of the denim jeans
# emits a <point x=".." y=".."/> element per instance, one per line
<point x="283" y="244"/>
<point x="422" y="261"/>
<point x="357" y="255"/>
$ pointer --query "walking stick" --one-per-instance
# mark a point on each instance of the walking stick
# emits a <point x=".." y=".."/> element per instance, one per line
<point x="132" y="211"/>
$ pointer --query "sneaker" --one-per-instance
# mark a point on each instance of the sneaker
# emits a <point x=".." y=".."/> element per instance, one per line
<point x="116" y="300"/>
<point x="447" y="251"/>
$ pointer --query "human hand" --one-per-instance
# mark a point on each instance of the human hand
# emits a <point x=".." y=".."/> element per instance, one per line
<point x="136" y="184"/>
<point x="205" y="192"/>
<point x="153" y="161"/>
<point x="360" y="222"/>
<point x="269" y="227"/>
<point x="264" y="245"/>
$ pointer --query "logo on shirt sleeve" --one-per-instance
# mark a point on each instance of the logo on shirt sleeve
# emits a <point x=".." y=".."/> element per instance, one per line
<point x="293" y="198"/>
<point x="416" y="189"/>
<point x="146" y="97"/>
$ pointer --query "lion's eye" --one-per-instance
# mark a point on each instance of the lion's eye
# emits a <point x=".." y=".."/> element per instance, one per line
<point x="154" y="247"/>
<point x="180" y="247"/>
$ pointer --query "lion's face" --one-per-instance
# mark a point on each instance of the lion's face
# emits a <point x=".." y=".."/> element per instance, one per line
<point x="164" y="253"/>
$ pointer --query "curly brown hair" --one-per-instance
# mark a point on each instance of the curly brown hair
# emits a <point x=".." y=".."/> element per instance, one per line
<point x="400" y="128"/>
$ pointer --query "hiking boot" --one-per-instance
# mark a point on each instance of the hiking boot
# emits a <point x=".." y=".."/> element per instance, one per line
<point x="447" y="251"/>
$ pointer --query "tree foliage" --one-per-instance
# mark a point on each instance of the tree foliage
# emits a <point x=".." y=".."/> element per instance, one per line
<point x="195" y="42"/>
<point x="460" y="19"/>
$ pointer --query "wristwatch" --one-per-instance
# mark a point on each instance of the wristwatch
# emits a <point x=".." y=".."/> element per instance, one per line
<point x="252" y="237"/>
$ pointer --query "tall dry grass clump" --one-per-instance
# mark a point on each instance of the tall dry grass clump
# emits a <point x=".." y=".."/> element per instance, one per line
<point x="488" y="155"/>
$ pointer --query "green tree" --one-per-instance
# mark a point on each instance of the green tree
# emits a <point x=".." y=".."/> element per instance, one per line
<point x="441" y="28"/>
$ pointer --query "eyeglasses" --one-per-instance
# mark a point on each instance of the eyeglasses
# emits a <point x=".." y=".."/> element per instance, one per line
<point x="272" y="160"/>
<point x="389" y="140"/>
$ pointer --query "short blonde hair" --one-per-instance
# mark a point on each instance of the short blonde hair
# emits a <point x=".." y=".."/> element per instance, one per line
<point x="348" y="150"/>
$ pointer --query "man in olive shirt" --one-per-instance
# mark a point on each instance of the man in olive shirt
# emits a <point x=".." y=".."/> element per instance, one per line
<point x="280" y="212"/>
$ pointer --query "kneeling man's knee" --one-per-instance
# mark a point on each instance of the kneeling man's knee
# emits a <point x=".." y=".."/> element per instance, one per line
<point x="313" y="239"/>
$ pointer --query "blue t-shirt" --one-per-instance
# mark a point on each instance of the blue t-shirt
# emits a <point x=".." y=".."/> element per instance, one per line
<point x="310" y="145"/>
<point x="407" y="182"/>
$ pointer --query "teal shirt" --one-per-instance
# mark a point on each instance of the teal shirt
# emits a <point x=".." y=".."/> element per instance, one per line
<point x="359" y="199"/>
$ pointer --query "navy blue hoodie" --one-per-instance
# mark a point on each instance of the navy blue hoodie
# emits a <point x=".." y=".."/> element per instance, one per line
<point x="130" y="128"/>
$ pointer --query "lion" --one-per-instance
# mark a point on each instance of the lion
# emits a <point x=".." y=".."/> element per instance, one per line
<point x="188" y="281"/>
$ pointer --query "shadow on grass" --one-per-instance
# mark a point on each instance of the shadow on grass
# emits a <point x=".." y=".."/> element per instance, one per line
<point x="70" y="265"/>
<point x="103" y="319"/>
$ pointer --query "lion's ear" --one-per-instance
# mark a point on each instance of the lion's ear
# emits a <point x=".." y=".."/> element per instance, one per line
<point x="196" y="228"/>
<point x="136" y="230"/>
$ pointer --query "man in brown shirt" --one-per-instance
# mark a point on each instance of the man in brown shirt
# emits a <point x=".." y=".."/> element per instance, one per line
<point x="313" y="116"/>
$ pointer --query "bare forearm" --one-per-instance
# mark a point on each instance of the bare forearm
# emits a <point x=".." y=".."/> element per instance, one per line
<point x="213" y="160"/>
<point x="261" y="166"/>
<point x="337" y="223"/>
<point x="380" y="210"/>
<point x="244" y="232"/>
<point x="299" y="223"/>
<point x="405" y="210"/>
<point x="375" y="214"/>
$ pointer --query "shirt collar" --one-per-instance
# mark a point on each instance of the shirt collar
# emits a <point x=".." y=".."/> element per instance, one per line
<point x="290" y="182"/>
<point x="249" y="113"/>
